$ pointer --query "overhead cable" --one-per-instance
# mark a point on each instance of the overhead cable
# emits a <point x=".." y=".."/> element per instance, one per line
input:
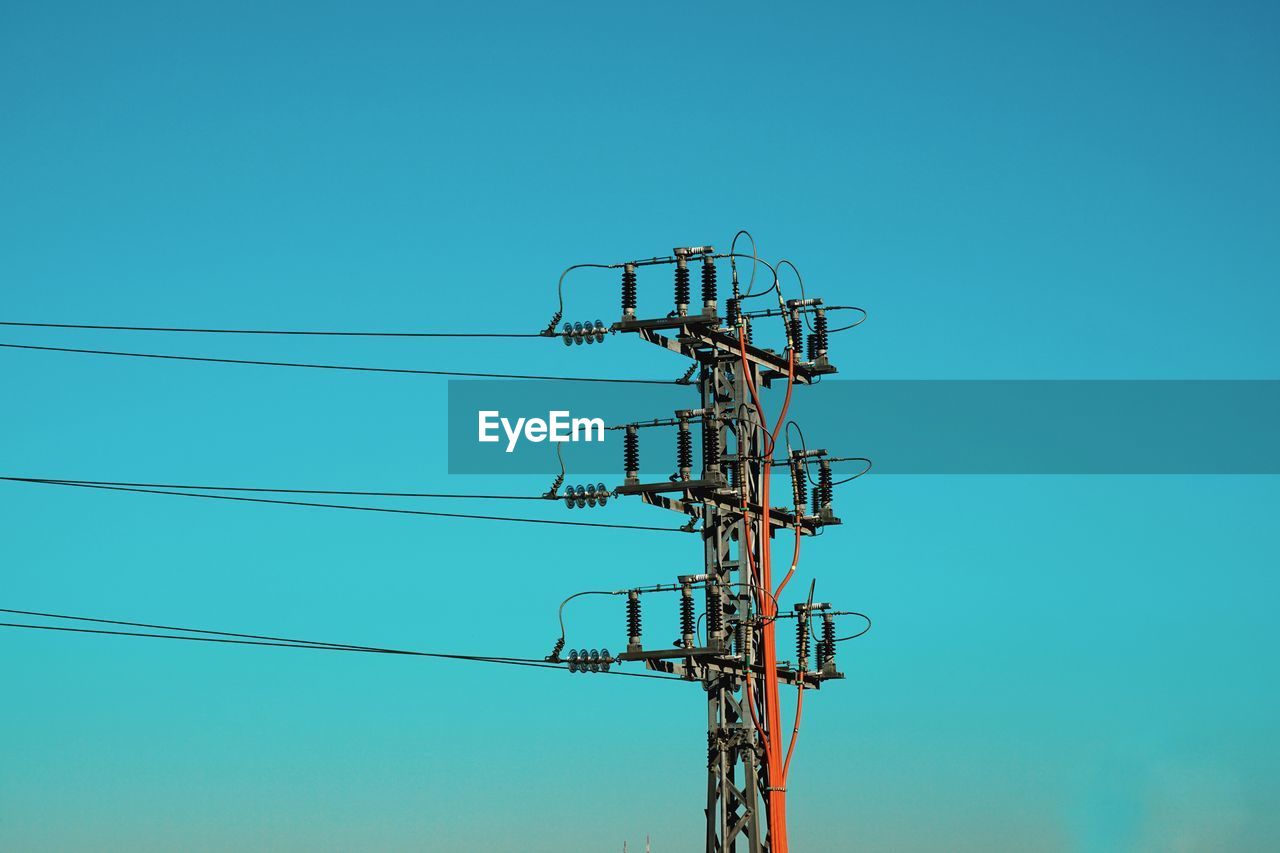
<point x="335" y="334"/>
<point x="349" y="506"/>
<point x="461" y="373"/>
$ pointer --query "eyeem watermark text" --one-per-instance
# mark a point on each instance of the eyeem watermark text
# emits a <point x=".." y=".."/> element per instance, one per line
<point x="558" y="426"/>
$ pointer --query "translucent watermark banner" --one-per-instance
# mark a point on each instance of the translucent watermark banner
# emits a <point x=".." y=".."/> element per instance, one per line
<point x="904" y="426"/>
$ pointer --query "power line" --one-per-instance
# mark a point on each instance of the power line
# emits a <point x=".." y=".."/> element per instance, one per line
<point x="153" y="626"/>
<point x="274" y="331"/>
<point x="348" y="506"/>
<point x="462" y="373"/>
<point x="74" y="481"/>
<point x="238" y="639"/>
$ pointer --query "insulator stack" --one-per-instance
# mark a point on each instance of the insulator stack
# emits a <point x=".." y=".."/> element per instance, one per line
<point x="581" y="660"/>
<point x="802" y="641"/>
<point x="746" y="322"/>
<point x="682" y="287"/>
<point x="628" y="291"/>
<point x="580" y="496"/>
<point x="795" y="332"/>
<point x="633" y="621"/>
<point x="684" y="449"/>
<point x="818" y="340"/>
<point x="731" y="310"/>
<point x="715" y="613"/>
<point x="631" y="454"/>
<point x="708" y="286"/>
<point x="686" y="614"/>
<point x="710" y="444"/>
<point x="556" y="650"/>
<point x="799" y="483"/>
<point x="580" y="333"/>
<point x="822" y="494"/>
<point x="827" y="646"/>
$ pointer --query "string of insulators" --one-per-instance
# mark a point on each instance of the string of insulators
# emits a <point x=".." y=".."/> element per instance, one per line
<point x="581" y="660"/>
<point x="682" y="287"/>
<point x="818" y="339"/>
<point x="746" y="329"/>
<point x="686" y="614"/>
<point x="823" y="493"/>
<point x="556" y="650"/>
<point x="684" y="449"/>
<point x="799" y="483"/>
<point x="802" y="640"/>
<point x="827" y="645"/>
<point x="710" y="444"/>
<point x="580" y="333"/>
<point x="732" y="307"/>
<point x="629" y="291"/>
<point x="633" y="621"/>
<point x="795" y="332"/>
<point x="708" y="286"/>
<point x="715" y="613"/>
<point x="581" y="496"/>
<point x="739" y="469"/>
<point x="631" y="453"/>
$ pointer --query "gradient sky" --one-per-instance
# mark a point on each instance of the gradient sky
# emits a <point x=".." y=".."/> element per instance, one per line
<point x="1014" y="190"/>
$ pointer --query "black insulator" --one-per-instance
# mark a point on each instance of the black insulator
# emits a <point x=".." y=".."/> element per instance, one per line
<point x="799" y="484"/>
<point x="818" y="341"/>
<point x="708" y="282"/>
<point x="633" y="617"/>
<point x="827" y="646"/>
<point x="747" y="331"/>
<point x="684" y="447"/>
<point x="710" y="444"/>
<point x="556" y="650"/>
<point x="631" y="451"/>
<point x="731" y="308"/>
<point x="802" y="641"/>
<point x="795" y="331"/>
<point x="686" y="611"/>
<point x="715" y="613"/>
<point x="682" y="288"/>
<point x="822" y="494"/>
<point x="628" y="290"/>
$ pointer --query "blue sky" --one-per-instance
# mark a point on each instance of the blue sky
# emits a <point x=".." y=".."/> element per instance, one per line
<point x="1013" y="190"/>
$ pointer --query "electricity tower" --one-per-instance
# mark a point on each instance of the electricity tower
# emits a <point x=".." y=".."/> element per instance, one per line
<point x="728" y="493"/>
